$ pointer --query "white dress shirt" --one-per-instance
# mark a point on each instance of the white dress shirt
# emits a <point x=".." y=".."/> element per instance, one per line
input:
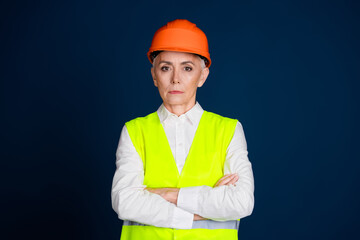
<point x="131" y="202"/>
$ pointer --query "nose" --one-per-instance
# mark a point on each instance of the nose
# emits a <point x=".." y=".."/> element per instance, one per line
<point x="175" y="77"/>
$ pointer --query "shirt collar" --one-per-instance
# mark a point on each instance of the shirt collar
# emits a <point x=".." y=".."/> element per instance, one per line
<point x="194" y="114"/>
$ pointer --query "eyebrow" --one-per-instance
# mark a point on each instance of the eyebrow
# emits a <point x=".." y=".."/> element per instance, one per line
<point x="183" y="63"/>
<point x="186" y="62"/>
<point x="165" y="62"/>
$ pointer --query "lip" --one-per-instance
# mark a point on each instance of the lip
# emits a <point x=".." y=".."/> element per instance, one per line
<point x="176" y="92"/>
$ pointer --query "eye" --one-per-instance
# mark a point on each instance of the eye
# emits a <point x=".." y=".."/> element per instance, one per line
<point x="188" y="69"/>
<point x="165" y="68"/>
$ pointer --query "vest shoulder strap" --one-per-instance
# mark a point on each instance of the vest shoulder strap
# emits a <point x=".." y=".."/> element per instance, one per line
<point x="224" y="125"/>
<point x="136" y="128"/>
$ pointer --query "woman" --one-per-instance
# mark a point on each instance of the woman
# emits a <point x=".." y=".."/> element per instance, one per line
<point x="182" y="172"/>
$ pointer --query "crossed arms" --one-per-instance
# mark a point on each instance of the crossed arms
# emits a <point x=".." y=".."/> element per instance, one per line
<point x="171" y="194"/>
<point x="231" y="198"/>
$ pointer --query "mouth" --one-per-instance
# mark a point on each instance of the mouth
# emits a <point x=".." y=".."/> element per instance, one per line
<point x="176" y="92"/>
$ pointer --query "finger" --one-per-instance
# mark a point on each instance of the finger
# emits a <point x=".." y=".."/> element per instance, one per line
<point x="229" y="180"/>
<point x="225" y="180"/>
<point x="221" y="180"/>
<point x="233" y="181"/>
<point x="224" y="177"/>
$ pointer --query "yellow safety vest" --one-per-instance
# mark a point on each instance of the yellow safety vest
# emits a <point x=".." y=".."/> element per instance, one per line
<point x="204" y="165"/>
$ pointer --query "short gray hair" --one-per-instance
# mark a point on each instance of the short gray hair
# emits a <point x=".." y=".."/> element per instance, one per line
<point x="202" y="61"/>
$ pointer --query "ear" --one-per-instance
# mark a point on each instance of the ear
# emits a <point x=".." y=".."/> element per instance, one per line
<point x="153" y="76"/>
<point x="204" y="74"/>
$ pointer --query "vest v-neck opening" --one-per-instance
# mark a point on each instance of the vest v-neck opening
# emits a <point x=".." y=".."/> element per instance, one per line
<point x="191" y="146"/>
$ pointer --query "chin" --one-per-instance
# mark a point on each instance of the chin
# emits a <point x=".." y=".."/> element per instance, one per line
<point x="175" y="102"/>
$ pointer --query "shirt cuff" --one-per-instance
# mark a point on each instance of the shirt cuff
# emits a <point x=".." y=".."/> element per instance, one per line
<point x="182" y="219"/>
<point x="188" y="199"/>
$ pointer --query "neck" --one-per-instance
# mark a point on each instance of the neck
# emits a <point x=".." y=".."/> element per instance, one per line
<point x="179" y="109"/>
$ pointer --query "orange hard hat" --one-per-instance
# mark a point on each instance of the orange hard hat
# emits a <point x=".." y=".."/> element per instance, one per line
<point x="180" y="35"/>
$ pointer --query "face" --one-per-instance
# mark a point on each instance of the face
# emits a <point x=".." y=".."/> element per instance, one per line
<point x="177" y="76"/>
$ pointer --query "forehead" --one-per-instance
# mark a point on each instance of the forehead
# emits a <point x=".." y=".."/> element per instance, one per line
<point x="177" y="56"/>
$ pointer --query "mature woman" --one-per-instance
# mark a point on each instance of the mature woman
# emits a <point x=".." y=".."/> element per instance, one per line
<point x="182" y="172"/>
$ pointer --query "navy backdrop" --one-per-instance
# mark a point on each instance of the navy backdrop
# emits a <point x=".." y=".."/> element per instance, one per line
<point x="72" y="73"/>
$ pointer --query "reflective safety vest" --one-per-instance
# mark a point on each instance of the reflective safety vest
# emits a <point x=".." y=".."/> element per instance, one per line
<point x="204" y="165"/>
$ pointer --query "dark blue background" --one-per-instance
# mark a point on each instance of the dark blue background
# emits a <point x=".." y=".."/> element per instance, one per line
<point x="72" y="73"/>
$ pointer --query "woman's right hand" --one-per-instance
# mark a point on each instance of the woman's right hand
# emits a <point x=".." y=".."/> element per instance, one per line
<point x="227" y="179"/>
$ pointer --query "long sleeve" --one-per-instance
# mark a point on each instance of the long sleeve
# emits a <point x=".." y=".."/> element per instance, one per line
<point x="129" y="199"/>
<point x="225" y="202"/>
